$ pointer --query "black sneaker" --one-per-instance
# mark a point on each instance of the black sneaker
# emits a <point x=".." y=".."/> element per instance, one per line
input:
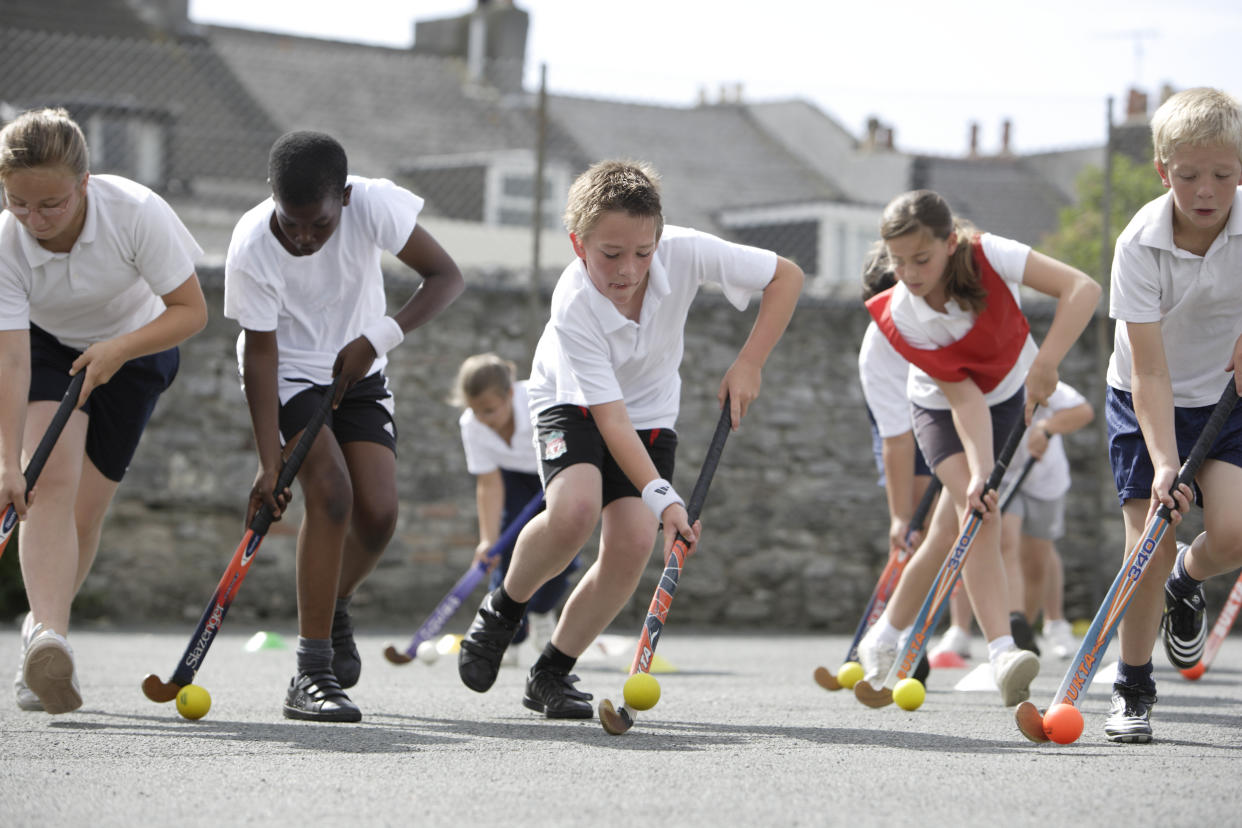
<point x="1183" y="627"/>
<point x="483" y="647"/>
<point x="346" y="662"/>
<point x="554" y="695"/>
<point x="318" y="697"/>
<point x="1129" y="718"/>
<point x="1022" y="633"/>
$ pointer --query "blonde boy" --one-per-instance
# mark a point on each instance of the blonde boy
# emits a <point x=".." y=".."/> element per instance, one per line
<point x="1177" y="298"/>
<point x="604" y="395"/>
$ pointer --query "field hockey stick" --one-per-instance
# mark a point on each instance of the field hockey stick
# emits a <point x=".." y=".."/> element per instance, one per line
<point x="938" y="596"/>
<point x="884" y="587"/>
<point x="465" y="585"/>
<point x="1091" y="651"/>
<point x="8" y="520"/>
<point x="1224" y="623"/>
<point x="213" y="616"/>
<point x="617" y="720"/>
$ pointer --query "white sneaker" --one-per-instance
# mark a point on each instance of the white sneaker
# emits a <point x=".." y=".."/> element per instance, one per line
<point x="876" y="658"/>
<point x="955" y="640"/>
<point x="542" y="625"/>
<point x="1059" y="638"/>
<point x="26" y="699"/>
<point x="1014" y="670"/>
<point x="49" y="672"/>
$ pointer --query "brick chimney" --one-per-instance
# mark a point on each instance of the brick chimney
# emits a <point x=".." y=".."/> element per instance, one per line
<point x="1136" y="107"/>
<point x="491" y="39"/>
<point x="1006" y="136"/>
<point x="973" y="152"/>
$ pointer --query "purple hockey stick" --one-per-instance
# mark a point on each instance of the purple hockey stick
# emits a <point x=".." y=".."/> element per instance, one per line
<point x="465" y="585"/>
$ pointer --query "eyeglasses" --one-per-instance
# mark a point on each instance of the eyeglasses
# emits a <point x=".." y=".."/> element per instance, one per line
<point x="54" y="211"/>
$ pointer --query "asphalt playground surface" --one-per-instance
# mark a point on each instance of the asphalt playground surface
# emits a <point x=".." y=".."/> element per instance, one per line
<point x="741" y="736"/>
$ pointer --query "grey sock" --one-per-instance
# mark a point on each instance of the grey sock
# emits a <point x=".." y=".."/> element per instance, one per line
<point x="314" y="655"/>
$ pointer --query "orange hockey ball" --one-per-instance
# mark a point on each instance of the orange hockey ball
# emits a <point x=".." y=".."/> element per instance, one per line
<point x="1195" y="673"/>
<point x="1063" y="723"/>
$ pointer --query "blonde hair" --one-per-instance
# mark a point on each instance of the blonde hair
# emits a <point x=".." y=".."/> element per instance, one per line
<point x="479" y="374"/>
<point x="928" y="212"/>
<point x="43" y="138"/>
<point x="631" y="186"/>
<point x="1196" y="118"/>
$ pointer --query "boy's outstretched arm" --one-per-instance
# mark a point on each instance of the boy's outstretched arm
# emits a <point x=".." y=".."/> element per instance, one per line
<point x="259" y="377"/>
<point x="442" y="283"/>
<point x="1077" y="294"/>
<point x="780" y="297"/>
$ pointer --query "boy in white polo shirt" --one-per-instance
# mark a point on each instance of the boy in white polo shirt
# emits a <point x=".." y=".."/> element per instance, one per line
<point x="96" y="275"/>
<point x="604" y="395"/>
<point x="1177" y="297"/>
<point x="303" y="279"/>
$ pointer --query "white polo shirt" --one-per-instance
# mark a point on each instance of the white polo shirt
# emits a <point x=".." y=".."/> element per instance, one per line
<point x="1196" y="299"/>
<point x="487" y="451"/>
<point x="923" y="326"/>
<point x="590" y="354"/>
<point x="1049" y="478"/>
<point x="132" y="250"/>
<point x="883" y="373"/>
<point x="317" y="304"/>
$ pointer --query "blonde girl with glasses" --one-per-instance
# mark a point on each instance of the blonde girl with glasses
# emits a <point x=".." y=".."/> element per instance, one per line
<point x="96" y="276"/>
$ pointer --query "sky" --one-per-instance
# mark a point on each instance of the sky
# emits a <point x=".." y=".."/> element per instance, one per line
<point x="927" y="69"/>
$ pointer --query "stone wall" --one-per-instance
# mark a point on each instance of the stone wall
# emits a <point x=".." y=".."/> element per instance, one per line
<point x="795" y="524"/>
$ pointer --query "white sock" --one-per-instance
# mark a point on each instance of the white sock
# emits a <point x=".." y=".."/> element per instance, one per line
<point x="885" y="632"/>
<point x="999" y="645"/>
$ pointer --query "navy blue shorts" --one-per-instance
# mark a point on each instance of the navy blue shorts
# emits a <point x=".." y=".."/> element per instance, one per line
<point x="937" y="435"/>
<point x="520" y="487"/>
<point x="118" y="410"/>
<point x="877" y="449"/>
<point x="568" y="436"/>
<point x="1127" y="452"/>
<point x="365" y="413"/>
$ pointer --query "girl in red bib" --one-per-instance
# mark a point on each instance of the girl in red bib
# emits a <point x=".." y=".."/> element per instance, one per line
<point x="955" y="314"/>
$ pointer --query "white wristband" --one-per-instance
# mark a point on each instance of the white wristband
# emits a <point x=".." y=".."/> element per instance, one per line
<point x="658" y="495"/>
<point x="384" y="334"/>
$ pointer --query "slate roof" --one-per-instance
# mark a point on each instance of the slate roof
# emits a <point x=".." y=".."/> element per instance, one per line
<point x="711" y="157"/>
<point x="1001" y="195"/>
<point x="386" y="105"/>
<point x="216" y="128"/>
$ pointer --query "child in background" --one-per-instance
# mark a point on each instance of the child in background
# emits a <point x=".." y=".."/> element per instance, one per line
<point x="1177" y="300"/>
<point x="303" y="279"/>
<point x="883" y="373"/>
<point x="1035" y="519"/>
<point x="604" y="394"/>
<point x="955" y="315"/>
<point x="498" y="438"/>
<point x="96" y="275"/>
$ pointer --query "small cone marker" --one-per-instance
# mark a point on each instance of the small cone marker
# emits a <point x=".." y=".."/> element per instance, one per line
<point x="264" y="640"/>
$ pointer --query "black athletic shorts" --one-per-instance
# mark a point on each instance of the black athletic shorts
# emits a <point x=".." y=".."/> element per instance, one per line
<point x="365" y="413"/>
<point x="568" y="436"/>
<point x="118" y="410"/>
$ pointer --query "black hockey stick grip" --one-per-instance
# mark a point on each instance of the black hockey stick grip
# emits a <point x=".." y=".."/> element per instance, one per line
<point x="1207" y="438"/>
<point x="1017" y="484"/>
<point x="714" y="449"/>
<point x="262" y="520"/>
<point x="68" y="403"/>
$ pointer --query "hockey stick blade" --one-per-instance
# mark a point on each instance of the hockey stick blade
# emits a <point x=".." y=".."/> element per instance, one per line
<point x="825" y="679"/>
<point x="617" y="720"/>
<point x="239" y="566"/>
<point x="1086" y="661"/>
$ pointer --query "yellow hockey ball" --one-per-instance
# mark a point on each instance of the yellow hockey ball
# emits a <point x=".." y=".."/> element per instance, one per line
<point x="642" y="691"/>
<point x="193" y="701"/>
<point x="909" y="694"/>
